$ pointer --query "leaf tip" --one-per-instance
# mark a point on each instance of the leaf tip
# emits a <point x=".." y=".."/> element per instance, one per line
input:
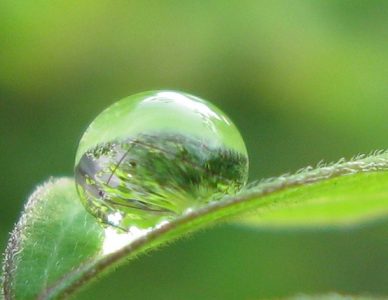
<point x="14" y="246"/>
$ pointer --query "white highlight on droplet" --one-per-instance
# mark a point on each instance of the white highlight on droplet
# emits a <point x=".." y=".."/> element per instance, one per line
<point x="115" y="240"/>
<point x="186" y="101"/>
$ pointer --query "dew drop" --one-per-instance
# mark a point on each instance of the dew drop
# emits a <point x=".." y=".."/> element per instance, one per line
<point x="153" y="156"/>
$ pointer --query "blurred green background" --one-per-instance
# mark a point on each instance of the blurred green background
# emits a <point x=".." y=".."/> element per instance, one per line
<point x="303" y="80"/>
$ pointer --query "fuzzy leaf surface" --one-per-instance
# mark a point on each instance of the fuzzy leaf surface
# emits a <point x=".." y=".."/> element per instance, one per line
<point x="57" y="247"/>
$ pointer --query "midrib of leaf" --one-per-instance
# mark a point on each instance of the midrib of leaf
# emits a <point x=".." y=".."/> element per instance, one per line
<point x="253" y="197"/>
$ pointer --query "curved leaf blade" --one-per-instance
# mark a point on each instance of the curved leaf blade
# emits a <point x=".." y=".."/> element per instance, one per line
<point x="343" y="200"/>
<point x="270" y="200"/>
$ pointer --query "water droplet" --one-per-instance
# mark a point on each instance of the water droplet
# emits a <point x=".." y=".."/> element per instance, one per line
<point x="150" y="157"/>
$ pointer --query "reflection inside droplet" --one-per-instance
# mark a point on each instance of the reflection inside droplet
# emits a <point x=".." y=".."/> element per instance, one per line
<point x="157" y="155"/>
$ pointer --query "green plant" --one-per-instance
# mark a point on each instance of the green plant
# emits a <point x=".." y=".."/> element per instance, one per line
<point x="57" y="247"/>
<point x="54" y="224"/>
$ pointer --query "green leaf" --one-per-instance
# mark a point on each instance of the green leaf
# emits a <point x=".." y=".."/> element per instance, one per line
<point x="339" y="201"/>
<point x="354" y="193"/>
<point x="53" y="235"/>
<point x="56" y="247"/>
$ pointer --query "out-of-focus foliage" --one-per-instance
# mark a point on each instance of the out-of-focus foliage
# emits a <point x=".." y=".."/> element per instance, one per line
<point x="303" y="80"/>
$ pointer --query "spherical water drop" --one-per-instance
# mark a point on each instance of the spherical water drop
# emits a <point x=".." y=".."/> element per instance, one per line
<point x="150" y="157"/>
